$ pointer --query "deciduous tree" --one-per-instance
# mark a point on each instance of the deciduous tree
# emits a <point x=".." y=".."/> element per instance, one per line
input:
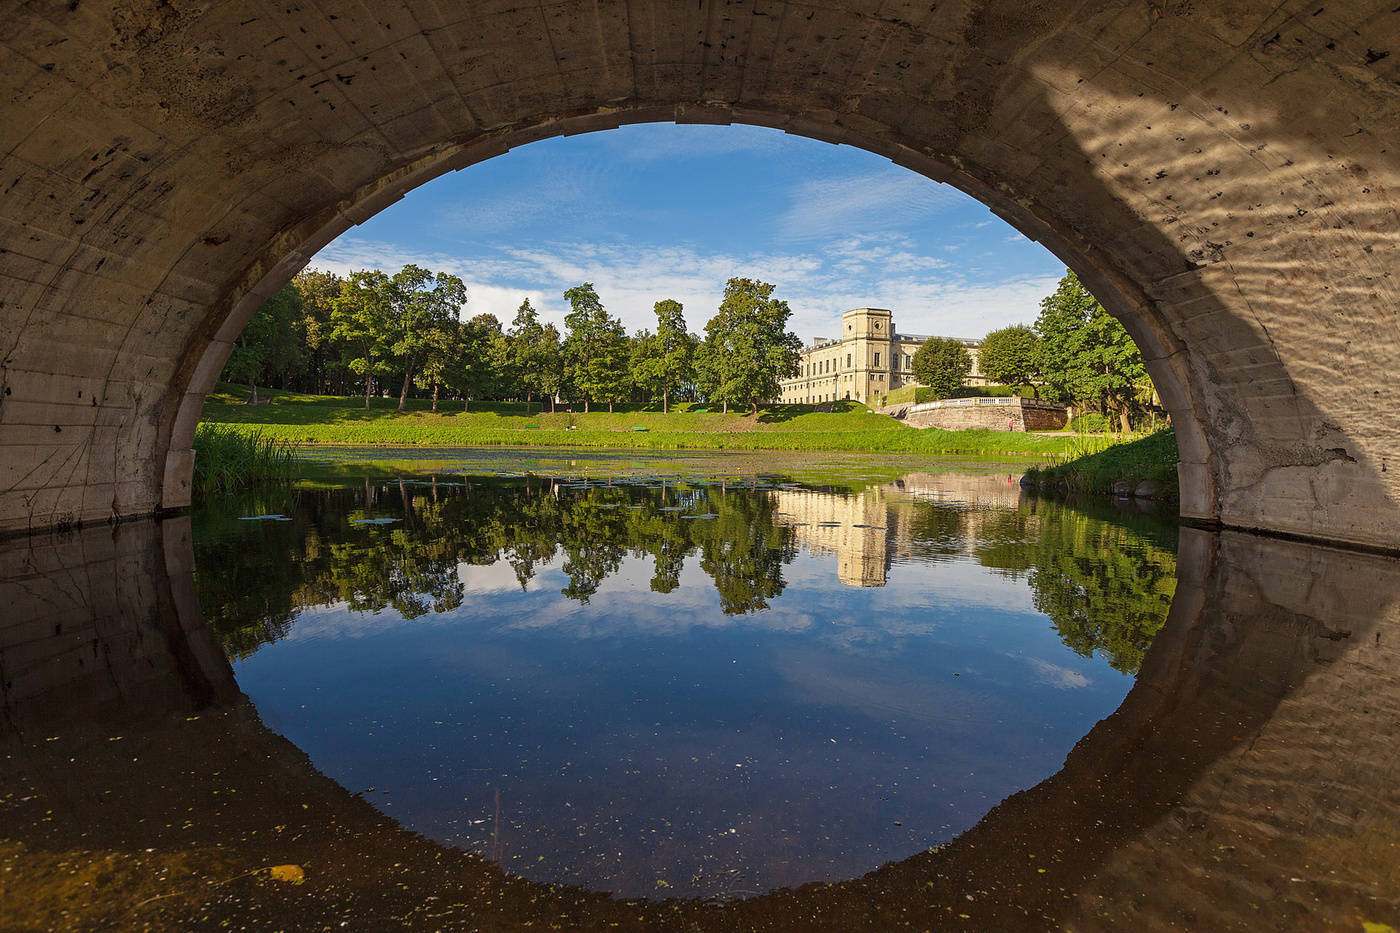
<point x="360" y="326"/>
<point x="530" y="355"/>
<point x="480" y="360"/>
<point x="1085" y="355"/>
<point x="942" y="364"/>
<point x="595" y="350"/>
<point x="269" y="343"/>
<point x="748" y="348"/>
<point x="421" y="304"/>
<point x="1008" y="355"/>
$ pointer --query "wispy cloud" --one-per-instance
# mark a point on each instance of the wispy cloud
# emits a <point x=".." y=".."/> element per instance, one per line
<point x="926" y="294"/>
<point x="836" y="206"/>
<point x="1062" y="678"/>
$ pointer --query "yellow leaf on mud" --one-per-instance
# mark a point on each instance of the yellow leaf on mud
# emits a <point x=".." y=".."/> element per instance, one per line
<point x="292" y="873"/>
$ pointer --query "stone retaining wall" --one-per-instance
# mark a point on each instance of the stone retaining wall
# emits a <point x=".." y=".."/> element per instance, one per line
<point x="999" y="414"/>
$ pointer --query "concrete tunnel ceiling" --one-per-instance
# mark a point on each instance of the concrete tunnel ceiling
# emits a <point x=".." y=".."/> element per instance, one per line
<point x="1223" y="176"/>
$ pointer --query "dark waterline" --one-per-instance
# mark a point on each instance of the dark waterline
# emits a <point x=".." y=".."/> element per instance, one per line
<point x="704" y="686"/>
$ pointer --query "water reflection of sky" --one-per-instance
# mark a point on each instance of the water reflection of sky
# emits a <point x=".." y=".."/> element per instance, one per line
<point x="647" y="743"/>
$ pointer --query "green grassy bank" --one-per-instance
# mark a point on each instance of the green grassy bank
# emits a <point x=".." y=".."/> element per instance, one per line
<point x="841" y="426"/>
<point x="1153" y="458"/>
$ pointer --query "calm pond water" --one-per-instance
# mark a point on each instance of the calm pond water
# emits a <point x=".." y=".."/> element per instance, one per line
<point x="693" y="677"/>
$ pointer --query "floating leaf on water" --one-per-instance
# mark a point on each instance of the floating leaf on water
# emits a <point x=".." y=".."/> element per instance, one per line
<point x="291" y="873"/>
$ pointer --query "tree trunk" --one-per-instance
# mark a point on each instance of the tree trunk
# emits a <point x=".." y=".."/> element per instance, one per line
<point x="551" y="404"/>
<point x="466" y="401"/>
<point x="252" y="393"/>
<point x="529" y="401"/>
<point x="1123" y="421"/>
<point x="403" y="393"/>
<point x="367" y="382"/>
<point x="435" y="396"/>
<point x="665" y="401"/>
<point x="755" y="408"/>
<point x="726" y="406"/>
<point x="585" y="404"/>
<point x="610" y="406"/>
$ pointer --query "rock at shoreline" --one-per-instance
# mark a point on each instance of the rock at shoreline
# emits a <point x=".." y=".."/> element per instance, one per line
<point x="1146" y="489"/>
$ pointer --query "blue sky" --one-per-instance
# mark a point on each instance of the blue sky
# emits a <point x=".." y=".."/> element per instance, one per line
<point x="665" y="211"/>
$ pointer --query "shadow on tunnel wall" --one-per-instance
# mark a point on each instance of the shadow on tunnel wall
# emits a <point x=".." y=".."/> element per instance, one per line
<point x="1255" y="752"/>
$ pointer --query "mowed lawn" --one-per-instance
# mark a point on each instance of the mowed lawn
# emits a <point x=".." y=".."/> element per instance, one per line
<point x="319" y="419"/>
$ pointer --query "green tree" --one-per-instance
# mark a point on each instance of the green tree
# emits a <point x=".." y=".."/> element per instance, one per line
<point x="551" y="363"/>
<point x="942" y="364"/>
<point x="1008" y="355"/>
<point x="443" y="349"/>
<point x="269" y="343"/>
<point x="421" y="303"/>
<point x="480" y="360"/>
<point x="645" y="364"/>
<point x="360" y="326"/>
<point x="318" y="291"/>
<point x="675" y="358"/>
<point x="595" y="350"/>
<point x="748" y="349"/>
<point x="1085" y="355"/>
<point x="530" y="354"/>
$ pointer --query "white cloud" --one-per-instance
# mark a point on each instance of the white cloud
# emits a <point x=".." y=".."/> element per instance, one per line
<point x="927" y="295"/>
<point x="823" y="207"/>
<point x="1056" y="676"/>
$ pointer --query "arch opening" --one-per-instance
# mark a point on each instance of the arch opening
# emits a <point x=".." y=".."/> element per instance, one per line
<point x="282" y="264"/>
<point x="1232" y="204"/>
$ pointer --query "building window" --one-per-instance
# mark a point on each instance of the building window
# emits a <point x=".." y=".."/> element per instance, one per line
<point x="848" y="361"/>
<point x="877" y="359"/>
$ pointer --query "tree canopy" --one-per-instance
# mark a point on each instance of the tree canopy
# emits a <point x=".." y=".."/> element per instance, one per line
<point x="748" y="349"/>
<point x="1085" y="354"/>
<point x="942" y="364"/>
<point x="595" y="349"/>
<point x="1008" y="355"/>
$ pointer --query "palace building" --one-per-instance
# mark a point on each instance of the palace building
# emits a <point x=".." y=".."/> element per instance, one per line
<point x="864" y="364"/>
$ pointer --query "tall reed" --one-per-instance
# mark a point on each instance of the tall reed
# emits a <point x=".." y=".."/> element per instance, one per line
<point x="226" y="459"/>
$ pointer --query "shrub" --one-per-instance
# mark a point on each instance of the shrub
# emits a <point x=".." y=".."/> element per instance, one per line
<point x="1091" y="423"/>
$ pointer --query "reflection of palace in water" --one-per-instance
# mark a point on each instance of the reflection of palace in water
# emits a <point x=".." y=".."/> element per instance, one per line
<point x="866" y="531"/>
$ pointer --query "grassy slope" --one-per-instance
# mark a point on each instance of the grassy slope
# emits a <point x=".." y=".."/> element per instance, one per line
<point x="1149" y="458"/>
<point x="314" y="419"/>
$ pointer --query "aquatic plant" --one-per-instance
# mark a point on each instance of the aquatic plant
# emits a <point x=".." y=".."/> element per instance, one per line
<point x="226" y="459"/>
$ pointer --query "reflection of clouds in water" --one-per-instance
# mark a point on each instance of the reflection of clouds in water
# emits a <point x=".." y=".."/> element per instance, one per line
<point x="818" y="677"/>
<point x="499" y="577"/>
<point x="911" y="605"/>
<point x="1062" y="678"/>
<point x="920" y="586"/>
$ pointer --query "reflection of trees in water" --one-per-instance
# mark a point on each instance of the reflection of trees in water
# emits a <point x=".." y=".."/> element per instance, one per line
<point x="1105" y="584"/>
<point x="254" y="580"/>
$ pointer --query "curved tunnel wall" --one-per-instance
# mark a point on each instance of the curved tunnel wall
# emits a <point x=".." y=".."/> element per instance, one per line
<point x="1224" y="181"/>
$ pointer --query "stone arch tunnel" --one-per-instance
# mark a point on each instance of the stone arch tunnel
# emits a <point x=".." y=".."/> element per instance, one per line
<point x="1224" y="178"/>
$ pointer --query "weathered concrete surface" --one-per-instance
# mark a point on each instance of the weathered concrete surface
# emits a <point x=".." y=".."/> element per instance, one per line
<point x="1248" y="782"/>
<point x="1224" y="178"/>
